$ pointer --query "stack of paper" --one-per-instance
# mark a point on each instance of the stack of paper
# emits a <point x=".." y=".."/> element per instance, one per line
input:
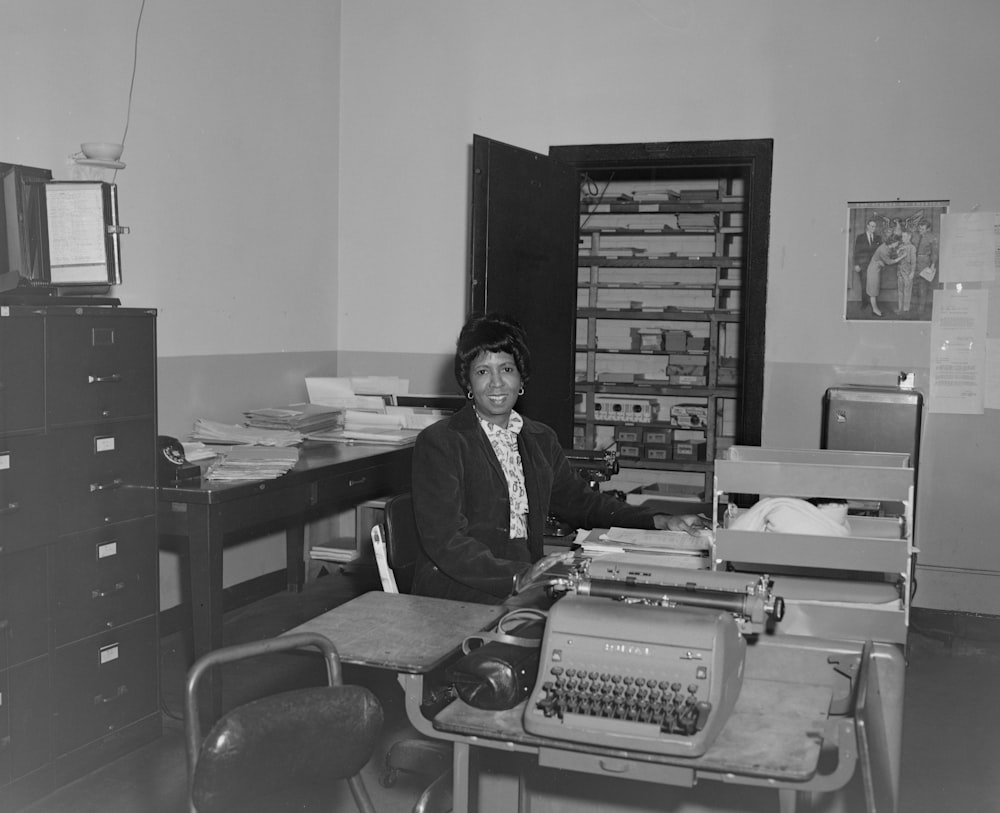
<point x="252" y="463"/>
<point x="234" y="434"/>
<point x="195" y="451"/>
<point x="331" y="554"/>
<point x="667" y="548"/>
<point x="297" y="417"/>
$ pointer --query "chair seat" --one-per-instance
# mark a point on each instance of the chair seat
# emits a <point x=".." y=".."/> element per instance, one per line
<point x="308" y="737"/>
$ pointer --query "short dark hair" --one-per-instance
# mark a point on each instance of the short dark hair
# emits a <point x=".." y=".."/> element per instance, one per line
<point x="491" y="333"/>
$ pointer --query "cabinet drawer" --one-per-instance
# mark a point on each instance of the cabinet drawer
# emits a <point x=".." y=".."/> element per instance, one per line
<point x="25" y="493"/>
<point x="102" y="579"/>
<point x="104" y="683"/>
<point x="99" y="368"/>
<point x="24" y="719"/>
<point x="23" y="611"/>
<point x="106" y="474"/>
<point x="22" y="384"/>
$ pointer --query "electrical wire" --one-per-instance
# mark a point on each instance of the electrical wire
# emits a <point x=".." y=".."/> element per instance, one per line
<point x="135" y="63"/>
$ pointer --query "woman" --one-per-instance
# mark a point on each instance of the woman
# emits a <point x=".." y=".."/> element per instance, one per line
<point x="884" y="255"/>
<point x="485" y="479"/>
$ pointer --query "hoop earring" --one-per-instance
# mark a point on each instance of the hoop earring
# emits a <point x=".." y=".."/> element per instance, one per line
<point x="521" y="391"/>
<point x="469" y="395"/>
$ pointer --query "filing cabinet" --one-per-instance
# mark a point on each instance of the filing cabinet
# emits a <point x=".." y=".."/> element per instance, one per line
<point x="79" y="651"/>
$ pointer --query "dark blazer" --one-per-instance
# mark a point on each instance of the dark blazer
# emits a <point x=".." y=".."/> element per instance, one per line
<point x="462" y="510"/>
<point x="863" y="251"/>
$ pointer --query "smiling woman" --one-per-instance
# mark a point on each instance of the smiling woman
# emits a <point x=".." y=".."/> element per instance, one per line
<point x="485" y="479"/>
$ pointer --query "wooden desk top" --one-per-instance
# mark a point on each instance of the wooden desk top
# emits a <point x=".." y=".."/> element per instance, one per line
<point x="772" y="732"/>
<point x="408" y="634"/>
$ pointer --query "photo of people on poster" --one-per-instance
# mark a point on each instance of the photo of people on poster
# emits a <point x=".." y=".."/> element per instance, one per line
<point x="893" y="254"/>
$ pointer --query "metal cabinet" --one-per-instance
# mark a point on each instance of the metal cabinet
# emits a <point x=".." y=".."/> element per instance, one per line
<point x="79" y="666"/>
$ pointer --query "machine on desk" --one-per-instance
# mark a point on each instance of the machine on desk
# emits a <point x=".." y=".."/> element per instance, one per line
<point x="652" y="667"/>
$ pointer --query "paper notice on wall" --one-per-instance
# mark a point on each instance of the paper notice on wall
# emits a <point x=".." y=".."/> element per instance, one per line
<point x="958" y="352"/>
<point x="969" y="247"/>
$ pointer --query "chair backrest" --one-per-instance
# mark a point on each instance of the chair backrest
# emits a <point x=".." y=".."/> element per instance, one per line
<point x="402" y="541"/>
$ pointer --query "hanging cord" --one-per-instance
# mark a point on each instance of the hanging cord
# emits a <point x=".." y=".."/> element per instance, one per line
<point x="131" y="86"/>
<point x="589" y="188"/>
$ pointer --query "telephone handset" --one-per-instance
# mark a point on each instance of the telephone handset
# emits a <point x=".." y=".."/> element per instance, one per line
<point x="173" y="465"/>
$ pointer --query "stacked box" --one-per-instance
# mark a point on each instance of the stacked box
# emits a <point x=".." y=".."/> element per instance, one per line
<point x="727" y="376"/>
<point x="690" y="449"/>
<point x="619" y="409"/>
<point x="630" y="451"/>
<point x="657" y="436"/>
<point x="658" y="453"/>
<point x="689" y="416"/>
<point x="647" y="338"/>
<point x="675" y="341"/>
<point x="657" y="443"/>
<point x="628" y="434"/>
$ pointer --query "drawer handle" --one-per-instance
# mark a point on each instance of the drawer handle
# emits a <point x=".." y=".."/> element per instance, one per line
<point x="116" y="483"/>
<point x="114" y="378"/>
<point x="358" y="482"/>
<point x="119" y="586"/>
<point x="100" y="699"/>
<point x="10" y="508"/>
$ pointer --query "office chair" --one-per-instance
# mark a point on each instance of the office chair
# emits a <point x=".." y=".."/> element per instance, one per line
<point x="414" y="755"/>
<point x="263" y="753"/>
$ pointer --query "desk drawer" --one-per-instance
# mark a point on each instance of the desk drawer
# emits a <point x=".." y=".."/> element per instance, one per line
<point x="102" y="579"/>
<point x="106" y="475"/>
<point x="104" y="683"/>
<point x="25" y="493"/>
<point x="23" y="612"/>
<point x="357" y="486"/>
<point x="22" y="385"/>
<point x="100" y="368"/>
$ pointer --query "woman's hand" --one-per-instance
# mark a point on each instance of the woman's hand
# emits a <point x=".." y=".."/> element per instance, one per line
<point x="690" y="523"/>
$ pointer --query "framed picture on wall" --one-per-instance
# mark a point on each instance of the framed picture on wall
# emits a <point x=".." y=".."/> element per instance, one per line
<point x="892" y="259"/>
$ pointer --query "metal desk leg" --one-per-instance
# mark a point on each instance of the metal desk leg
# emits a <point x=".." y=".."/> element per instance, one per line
<point x="460" y="784"/>
<point x="204" y="554"/>
<point x="786" y="800"/>
<point x="295" y="545"/>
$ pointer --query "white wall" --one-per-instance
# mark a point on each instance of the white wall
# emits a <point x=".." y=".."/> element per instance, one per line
<point x="230" y="185"/>
<point x="298" y="174"/>
<point x="864" y="100"/>
<point x="230" y="188"/>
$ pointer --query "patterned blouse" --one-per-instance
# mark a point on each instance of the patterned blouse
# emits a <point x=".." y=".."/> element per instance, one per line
<point x="504" y="443"/>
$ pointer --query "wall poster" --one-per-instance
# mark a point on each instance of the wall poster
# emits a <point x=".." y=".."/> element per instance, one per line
<point x="893" y="250"/>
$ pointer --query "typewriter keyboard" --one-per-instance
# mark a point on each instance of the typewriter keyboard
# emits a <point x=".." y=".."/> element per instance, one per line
<point x="672" y="707"/>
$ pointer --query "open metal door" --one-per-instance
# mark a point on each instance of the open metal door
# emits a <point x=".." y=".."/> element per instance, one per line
<point x="525" y="217"/>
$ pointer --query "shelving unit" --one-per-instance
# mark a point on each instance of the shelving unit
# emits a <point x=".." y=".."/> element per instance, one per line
<point x="660" y="274"/>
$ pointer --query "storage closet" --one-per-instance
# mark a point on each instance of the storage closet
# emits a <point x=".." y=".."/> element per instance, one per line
<point x="660" y="280"/>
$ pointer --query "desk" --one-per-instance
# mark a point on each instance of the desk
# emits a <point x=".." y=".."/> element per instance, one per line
<point x="791" y="709"/>
<point x="203" y="514"/>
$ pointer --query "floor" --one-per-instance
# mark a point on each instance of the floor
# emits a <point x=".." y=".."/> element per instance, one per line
<point x="951" y="747"/>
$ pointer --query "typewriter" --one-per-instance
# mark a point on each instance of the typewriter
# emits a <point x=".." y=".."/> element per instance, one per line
<point x="636" y="676"/>
<point x="652" y="665"/>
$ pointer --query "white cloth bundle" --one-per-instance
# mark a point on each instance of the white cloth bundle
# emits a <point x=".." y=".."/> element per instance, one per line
<point x="790" y="515"/>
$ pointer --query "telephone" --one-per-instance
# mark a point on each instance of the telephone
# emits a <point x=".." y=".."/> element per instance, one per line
<point x="173" y="465"/>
